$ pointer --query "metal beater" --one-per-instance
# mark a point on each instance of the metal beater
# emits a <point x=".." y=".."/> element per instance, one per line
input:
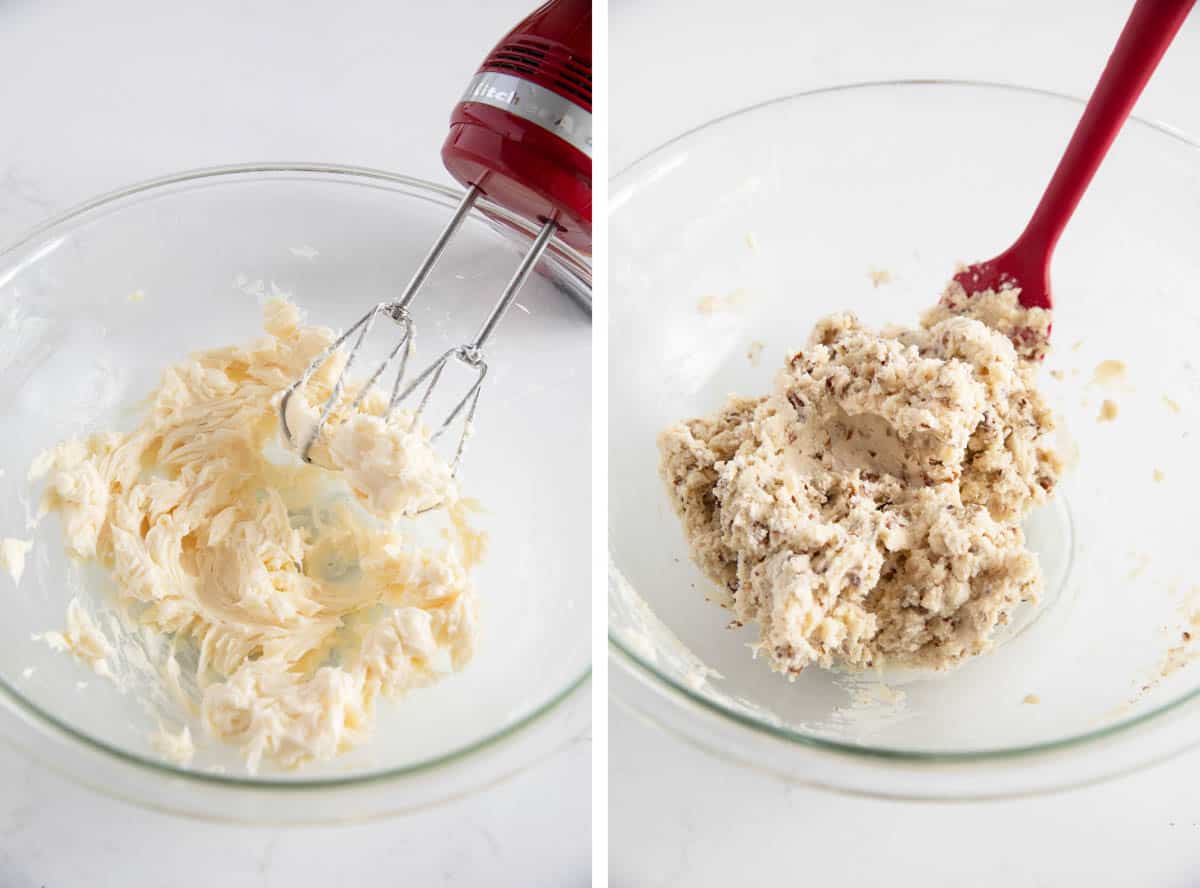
<point x="520" y="136"/>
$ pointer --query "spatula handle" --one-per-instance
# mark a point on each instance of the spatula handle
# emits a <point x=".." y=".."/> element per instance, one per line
<point x="1151" y="27"/>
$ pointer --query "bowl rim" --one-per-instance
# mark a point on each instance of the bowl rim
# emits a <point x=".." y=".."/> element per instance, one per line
<point x="571" y="262"/>
<point x="682" y="695"/>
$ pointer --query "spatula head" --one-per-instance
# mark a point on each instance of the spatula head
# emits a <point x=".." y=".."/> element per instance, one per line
<point x="1014" y="268"/>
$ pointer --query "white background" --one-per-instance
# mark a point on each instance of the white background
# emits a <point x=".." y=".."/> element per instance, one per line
<point x="96" y="95"/>
<point x="679" y="817"/>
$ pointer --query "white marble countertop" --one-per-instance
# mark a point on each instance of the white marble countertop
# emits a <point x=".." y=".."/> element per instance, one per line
<point x="99" y="95"/>
<point x="679" y="817"/>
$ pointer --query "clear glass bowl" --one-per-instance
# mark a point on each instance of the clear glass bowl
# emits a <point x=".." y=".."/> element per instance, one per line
<point x="781" y="212"/>
<point x="205" y="249"/>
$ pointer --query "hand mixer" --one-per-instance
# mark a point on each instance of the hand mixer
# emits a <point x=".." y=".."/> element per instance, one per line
<point x="521" y="136"/>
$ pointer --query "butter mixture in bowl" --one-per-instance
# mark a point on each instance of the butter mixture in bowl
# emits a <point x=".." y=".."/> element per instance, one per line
<point x="199" y="603"/>
<point x="302" y="607"/>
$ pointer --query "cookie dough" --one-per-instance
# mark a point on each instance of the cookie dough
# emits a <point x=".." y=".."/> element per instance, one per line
<point x="868" y="511"/>
<point x="292" y="604"/>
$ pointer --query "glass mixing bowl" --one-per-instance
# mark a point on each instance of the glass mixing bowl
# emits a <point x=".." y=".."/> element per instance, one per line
<point x="732" y="240"/>
<point x="203" y="250"/>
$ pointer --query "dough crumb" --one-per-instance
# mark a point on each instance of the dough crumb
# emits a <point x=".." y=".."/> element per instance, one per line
<point x="1177" y="658"/>
<point x="1159" y="475"/>
<point x="754" y="352"/>
<point x="1172" y="405"/>
<point x="712" y="304"/>
<point x="1077" y="345"/>
<point x="12" y="557"/>
<point x="752" y="241"/>
<point x="1058" y="374"/>
<point x="1181" y="654"/>
<point x="27" y="672"/>
<point x="136" y="296"/>
<point x="83" y="639"/>
<point x="1032" y="698"/>
<point x="176" y="748"/>
<point x="1108" y="411"/>
<point x="868" y="510"/>
<point x="1108" y="372"/>
<point x="879" y="276"/>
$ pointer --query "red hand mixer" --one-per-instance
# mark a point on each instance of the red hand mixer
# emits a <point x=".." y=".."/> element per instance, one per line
<point x="521" y="136"/>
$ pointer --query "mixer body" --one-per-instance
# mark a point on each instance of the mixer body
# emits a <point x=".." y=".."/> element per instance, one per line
<point x="522" y="137"/>
<point x="522" y="131"/>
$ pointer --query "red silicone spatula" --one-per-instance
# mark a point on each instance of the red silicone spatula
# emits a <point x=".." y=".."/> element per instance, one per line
<point x="1026" y="264"/>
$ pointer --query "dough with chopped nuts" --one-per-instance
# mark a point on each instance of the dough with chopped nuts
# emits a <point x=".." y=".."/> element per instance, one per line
<point x="868" y="510"/>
